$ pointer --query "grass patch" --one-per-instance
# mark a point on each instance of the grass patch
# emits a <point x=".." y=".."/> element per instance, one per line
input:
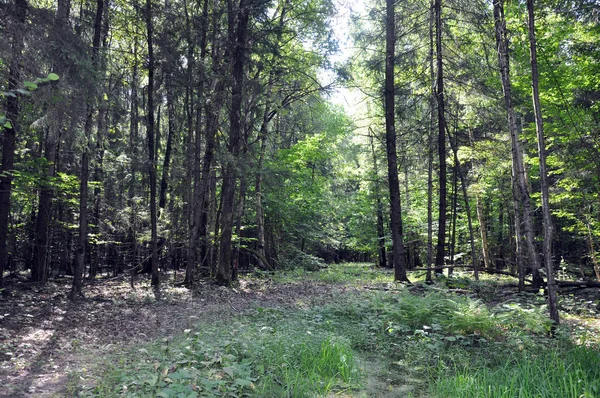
<point x="354" y="274"/>
<point x="543" y="373"/>
<point x="267" y="353"/>
<point x="477" y="342"/>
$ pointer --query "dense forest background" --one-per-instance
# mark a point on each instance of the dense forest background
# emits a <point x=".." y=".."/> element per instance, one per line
<point x="200" y="136"/>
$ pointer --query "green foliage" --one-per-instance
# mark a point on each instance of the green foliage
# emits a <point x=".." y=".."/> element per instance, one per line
<point x="567" y="372"/>
<point x="268" y="353"/>
<point x="449" y="344"/>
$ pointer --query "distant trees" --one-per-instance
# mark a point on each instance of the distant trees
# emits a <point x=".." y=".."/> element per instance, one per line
<point x="196" y="135"/>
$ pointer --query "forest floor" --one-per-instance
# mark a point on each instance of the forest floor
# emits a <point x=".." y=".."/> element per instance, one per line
<point x="51" y="347"/>
<point x="44" y="337"/>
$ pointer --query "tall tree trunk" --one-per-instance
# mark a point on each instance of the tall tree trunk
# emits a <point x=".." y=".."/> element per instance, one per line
<point x="43" y="222"/>
<point x="398" y="252"/>
<point x="539" y="126"/>
<point x="151" y="149"/>
<point x="164" y="180"/>
<point x="76" y="288"/>
<point x="517" y="157"/>
<point x="202" y="169"/>
<point x="463" y="183"/>
<point x="381" y="252"/>
<point x="260" y="211"/>
<point x="483" y="233"/>
<point x="238" y="46"/>
<point x="133" y="136"/>
<point x="12" y="114"/>
<point x="168" y="67"/>
<point x="432" y="103"/>
<point x="518" y="231"/>
<point x="454" y="215"/>
<point x="442" y="204"/>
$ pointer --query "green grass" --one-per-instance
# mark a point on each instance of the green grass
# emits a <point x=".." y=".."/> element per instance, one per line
<point x="543" y="373"/>
<point x="445" y="344"/>
<point x="354" y="274"/>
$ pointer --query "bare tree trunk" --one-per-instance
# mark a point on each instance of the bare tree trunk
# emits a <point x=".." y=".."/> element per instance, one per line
<point x="168" y="67"/>
<point x="442" y="205"/>
<point x="517" y="157"/>
<point x="43" y="222"/>
<point x="398" y="253"/>
<point x="76" y="288"/>
<point x="237" y="38"/>
<point x="539" y="126"/>
<point x="463" y="183"/>
<point x="198" y="235"/>
<point x="133" y="136"/>
<point x="260" y="211"/>
<point x="518" y="231"/>
<point x="454" y="215"/>
<point x="432" y="103"/>
<point x="12" y="114"/>
<point x="381" y="252"/>
<point x="151" y="149"/>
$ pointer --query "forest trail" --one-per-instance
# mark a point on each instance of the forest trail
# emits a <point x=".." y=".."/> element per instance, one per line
<point x="45" y="339"/>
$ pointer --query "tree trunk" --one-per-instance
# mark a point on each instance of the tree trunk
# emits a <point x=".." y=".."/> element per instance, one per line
<point x="202" y="170"/>
<point x="539" y="126"/>
<point x="453" y="220"/>
<point x="76" y="288"/>
<point x="381" y="252"/>
<point x="133" y="136"/>
<point x="12" y="115"/>
<point x="463" y="183"/>
<point x="517" y="157"/>
<point x="398" y="253"/>
<point x="432" y="102"/>
<point x="43" y="222"/>
<point x="260" y="211"/>
<point x="442" y="204"/>
<point x="151" y="149"/>
<point x="518" y="231"/>
<point x="238" y="44"/>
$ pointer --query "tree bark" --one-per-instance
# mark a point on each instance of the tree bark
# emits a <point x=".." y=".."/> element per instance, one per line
<point x="539" y="126"/>
<point x="10" y="132"/>
<point x="230" y="174"/>
<point x="517" y="157"/>
<point x="381" y="252"/>
<point x="432" y="103"/>
<point x="43" y="222"/>
<point x="398" y="252"/>
<point x="76" y="288"/>
<point x="151" y="150"/>
<point x="442" y="204"/>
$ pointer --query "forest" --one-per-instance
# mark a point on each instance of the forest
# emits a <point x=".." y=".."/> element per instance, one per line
<point x="155" y="152"/>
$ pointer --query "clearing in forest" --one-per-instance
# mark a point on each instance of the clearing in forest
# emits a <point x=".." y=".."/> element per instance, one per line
<point x="346" y="330"/>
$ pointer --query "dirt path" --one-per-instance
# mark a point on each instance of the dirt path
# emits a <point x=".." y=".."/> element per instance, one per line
<point x="46" y="339"/>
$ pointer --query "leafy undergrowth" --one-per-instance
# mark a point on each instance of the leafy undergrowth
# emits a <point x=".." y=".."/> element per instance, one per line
<point x="454" y="339"/>
<point x="345" y="330"/>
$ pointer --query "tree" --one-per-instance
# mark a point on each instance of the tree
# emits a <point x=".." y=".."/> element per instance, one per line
<point x="151" y="146"/>
<point x="76" y="289"/>
<point x="517" y="157"/>
<point x="237" y="27"/>
<point x="539" y="124"/>
<point x="398" y="253"/>
<point x="441" y="141"/>
<point x="39" y="270"/>
<point x="9" y="126"/>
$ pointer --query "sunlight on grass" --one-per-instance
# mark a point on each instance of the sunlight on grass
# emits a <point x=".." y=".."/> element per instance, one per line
<point x="346" y="273"/>
<point x="429" y="340"/>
